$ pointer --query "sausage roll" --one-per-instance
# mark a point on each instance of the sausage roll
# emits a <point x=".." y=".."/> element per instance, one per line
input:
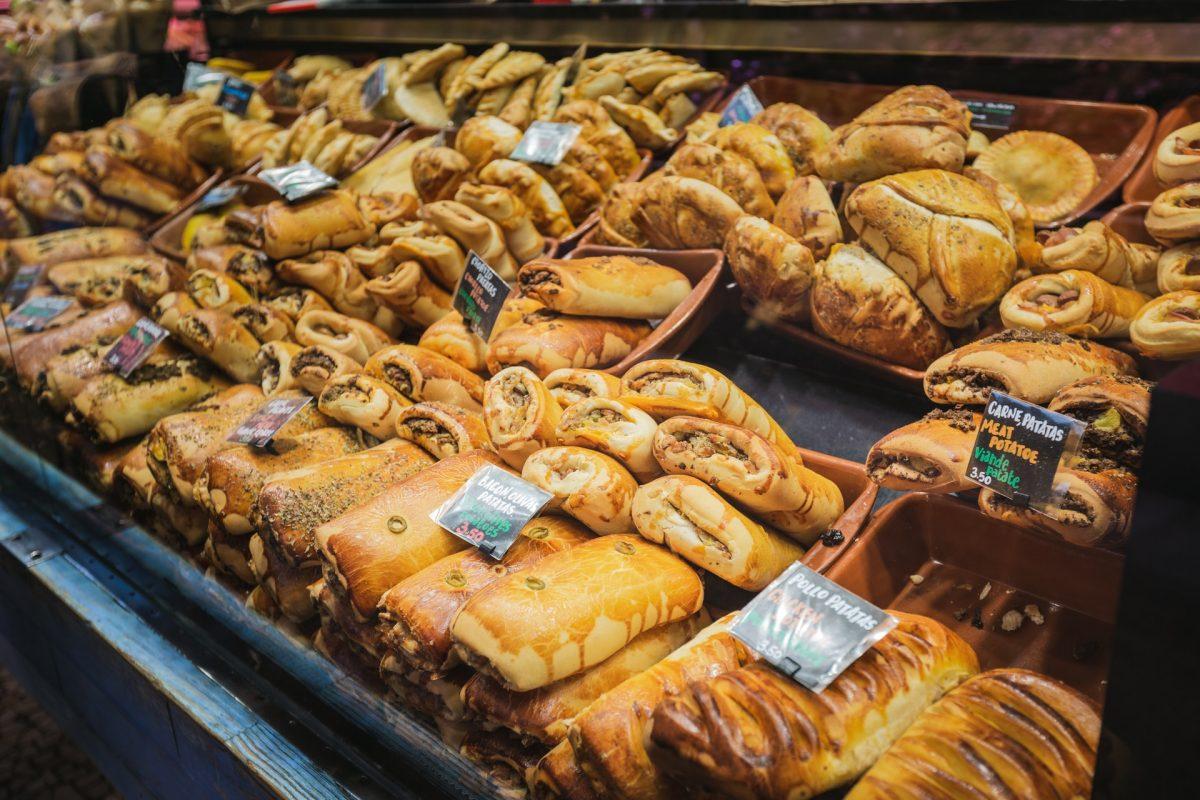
<point x="1179" y="268"/>
<point x="217" y="290"/>
<point x="1168" y="326"/>
<point x="335" y="277"/>
<point x="1073" y="302"/>
<point x="615" y="428"/>
<point x="296" y="302"/>
<point x="217" y="336"/>
<point x="521" y="415"/>
<point x="929" y="455"/>
<point x="96" y="281"/>
<point x="1004" y="733"/>
<point x="1095" y="248"/>
<point x="363" y="402"/>
<point x="590" y="486"/>
<point x="1116" y="411"/>
<point x="421" y="374"/>
<point x="441" y="429"/>
<point x="1096" y="509"/>
<point x="27" y="355"/>
<point x="570" y="385"/>
<point x="408" y="291"/>
<point x="545" y="340"/>
<point x="329" y="221"/>
<point x="355" y="338"/>
<point x="316" y="365"/>
<point x="265" y="323"/>
<point x="573" y="609"/>
<point x="1174" y="216"/>
<point x="247" y="266"/>
<point x="1030" y="365"/>
<point x="117" y="178"/>
<point x="605" y="286"/>
<point x="171" y="307"/>
<point x="755" y="733"/>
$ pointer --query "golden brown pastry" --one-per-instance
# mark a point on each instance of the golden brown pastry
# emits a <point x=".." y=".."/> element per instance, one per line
<point x="275" y="366"/>
<point x="116" y="178"/>
<point x="1029" y="249"/>
<point x="451" y="337"/>
<point x="1168" y="326"/>
<point x="761" y="148"/>
<point x="335" y="277"/>
<point x="215" y="335"/>
<point x="599" y="130"/>
<point x="505" y="209"/>
<point x="149" y="279"/>
<point x="171" y="308"/>
<point x="676" y="213"/>
<point x="1095" y="248"/>
<point x="590" y="486"/>
<point x="483" y="139"/>
<point x="549" y="214"/>
<point x="355" y="338"/>
<point x="1096" y="509"/>
<point x="616" y="225"/>
<point x="265" y="323"/>
<point x="474" y="232"/>
<point x="314" y="366"/>
<point x="642" y="124"/>
<point x="773" y="270"/>
<point x="155" y="155"/>
<point x="421" y="374"/>
<point x="437" y="172"/>
<point x="216" y="290"/>
<point x="806" y="212"/>
<point x="614" y="428"/>
<point x="504" y="757"/>
<point x="329" y="221"/>
<point x="733" y="174"/>
<point x="72" y="245"/>
<point x="439" y="255"/>
<point x="363" y="402"/>
<point x="581" y="194"/>
<point x="1073" y="302"/>
<point x="518" y="108"/>
<point x="1116" y="410"/>
<point x="1177" y="159"/>
<point x="801" y="132"/>
<point x="79" y="202"/>
<point x="569" y="386"/>
<point x="521" y="414"/>
<point x="442" y="429"/>
<point x="1174" y="216"/>
<point x="929" y="455"/>
<point x="1051" y="174"/>
<point x="410" y="295"/>
<point x="605" y="286"/>
<point x="545" y="340"/>
<point x="1179" y="268"/>
<point x="296" y="302"/>
<point x="65" y="375"/>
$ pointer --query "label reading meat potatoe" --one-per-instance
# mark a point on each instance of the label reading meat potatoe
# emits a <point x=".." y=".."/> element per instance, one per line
<point x="991" y="114"/>
<point x="197" y="76"/>
<point x="261" y="426"/>
<point x="297" y="181"/>
<point x="742" y="107"/>
<point x="18" y="288"/>
<point x="219" y="196"/>
<point x="374" y="87"/>
<point x="235" y="95"/>
<point x="1018" y="448"/>
<point x="480" y="295"/>
<point x="36" y="313"/>
<point x="490" y="510"/>
<point x="135" y="346"/>
<point x="810" y="628"/>
<point x="546" y="142"/>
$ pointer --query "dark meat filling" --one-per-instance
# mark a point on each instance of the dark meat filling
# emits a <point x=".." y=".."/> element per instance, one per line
<point x="400" y="379"/>
<point x="902" y="467"/>
<point x="538" y="277"/>
<point x="1107" y="439"/>
<point x="430" y="430"/>
<point x="642" y="381"/>
<point x="270" y="375"/>
<point x="958" y="418"/>
<point x="971" y="378"/>
<point x="316" y="360"/>
<point x="1026" y="335"/>
<point x="1186" y="314"/>
<point x="1076" y="511"/>
<point x="1052" y="238"/>
<point x="1056" y="300"/>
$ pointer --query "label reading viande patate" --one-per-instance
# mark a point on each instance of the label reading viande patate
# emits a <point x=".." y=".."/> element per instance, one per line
<point x="36" y="313"/>
<point x="742" y="107"/>
<point x="374" y="87"/>
<point x="219" y="196"/>
<point x="546" y="142"/>
<point x="490" y="510"/>
<point x="1018" y="448"/>
<point x="135" y="346"/>
<point x="261" y="426"/>
<point x="235" y="95"/>
<point x="991" y="114"/>
<point x="810" y="628"/>
<point x="480" y="295"/>
<point x="18" y="288"/>
<point x="297" y="181"/>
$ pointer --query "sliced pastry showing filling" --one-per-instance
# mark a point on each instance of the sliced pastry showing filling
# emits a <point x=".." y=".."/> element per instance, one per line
<point x="314" y="366"/>
<point x="569" y="385"/>
<point x="1094" y="248"/>
<point x="275" y="366"/>
<point x="545" y="340"/>
<point x="1174" y="216"/>
<point x="217" y="290"/>
<point x="1051" y="173"/>
<point x="421" y="374"/>
<point x="520" y="413"/>
<point x="1073" y="302"/>
<point x="1030" y="365"/>
<point x="355" y="338"/>
<point x="615" y="428"/>
<point x="215" y="335"/>
<point x="1177" y="159"/>
<point x="366" y="403"/>
<point x="505" y="757"/>
<point x="558" y="775"/>
<point x="267" y="324"/>
<point x="590" y="486"/>
<point x="441" y="429"/>
<point x="929" y="455"/>
<point x="1169" y="326"/>
<point x="1179" y="268"/>
<point x="1116" y="410"/>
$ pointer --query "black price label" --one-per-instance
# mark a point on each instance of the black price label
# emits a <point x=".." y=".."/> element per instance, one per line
<point x="261" y="426"/>
<point x="490" y="510"/>
<point x="546" y="142"/>
<point x="36" y="313"/>
<point x="810" y="628"/>
<point x="235" y="95"/>
<point x="297" y="181"/>
<point x="1018" y="449"/>
<point x="480" y="296"/>
<point x="197" y="76"/>
<point x="742" y="107"/>
<point x="25" y="279"/>
<point x="215" y="198"/>
<point x="135" y="346"/>
<point x="991" y="114"/>
<point x="374" y="87"/>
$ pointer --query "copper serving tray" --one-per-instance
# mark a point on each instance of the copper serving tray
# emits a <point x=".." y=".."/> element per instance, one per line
<point x="1142" y="186"/>
<point x="187" y="202"/>
<point x="168" y="239"/>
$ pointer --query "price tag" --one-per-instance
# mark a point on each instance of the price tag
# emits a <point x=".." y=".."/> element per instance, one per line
<point x="991" y="114"/>
<point x="297" y="181"/>
<point x="25" y="279"/>
<point x="810" y="628"/>
<point x="546" y="142"/>
<point x="35" y="313"/>
<point x="490" y="510"/>
<point x="261" y="426"/>
<point x="135" y="346"/>
<point x="196" y="76"/>
<point x="235" y="95"/>
<point x="374" y="87"/>
<point x="742" y="107"/>
<point x="219" y="196"/>
<point x="480" y="295"/>
<point x="1018" y="449"/>
<point x="285" y="88"/>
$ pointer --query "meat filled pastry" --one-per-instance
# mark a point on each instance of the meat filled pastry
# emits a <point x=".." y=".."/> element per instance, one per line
<point x="408" y="291"/>
<point x="355" y="643"/>
<point x="600" y="593"/>
<point x="421" y="374"/>
<point x="667" y="387"/>
<point x="416" y="614"/>
<point x="66" y="374"/>
<point x="1050" y="173"/>
<point x="675" y="213"/>
<point x="605" y="286"/>
<point x="441" y="429"/>
<point x="693" y="520"/>
<point x="858" y="302"/>
<point x="505" y="758"/>
<point x="726" y="170"/>
<point x="558" y="775"/>
<point x="1168" y="326"/>
<point x="363" y="402"/>
<point x="451" y="337"/>
<point x="136" y="481"/>
<point x="610" y="736"/>
<point x="149" y="279"/>
<point x="544" y="714"/>
<point x="217" y="336"/>
<point x="78" y="201"/>
<point x="377" y="544"/>
<point x="72" y="245"/>
<point x="1174" y="216"/>
<point x="171" y="307"/>
<point x="247" y="266"/>
<point x="355" y="338"/>
<point x="1177" y="159"/>
<point x="296" y="302"/>
<point x="329" y="221"/>
<point x="314" y="366"/>
<point x="217" y="290"/>
<point x="437" y="172"/>
<point x="1073" y="302"/>
<point x="545" y="340"/>
<point x="265" y="323"/>
<point x="439" y="255"/>
<point x="1095" y="248"/>
<point x="570" y="385"/>
<point x="758" y="475"/>
<point x="615" y="428"/>
<point x="159" y="156"/>
<point x="335" y="277"/>
<point x="503" y="207"/>
<point x="27" y="355"/>
<point x="801" y="132"/>
<point x="117" y="178"/>
<point x="474" y="232"/>
<point x="520" y="413"/>
<point x="761" y="148"/>
<point x="929" y="455"/>
<point x="110" y="408"/>
<point x="616" y="226"/>
<point x="1003" y="733"/>
<point x="546" y="208"/>
<point x="184" y="526"/>
<point x="1030" y="365"/>
<point x="806" y="213"/>
<point x="590" y="486"/>
<point x="232" y="478"/>
<point x="1096" y="509"/>
<point x="774" y="270"/>
<point x="96" y="281"/>
<point x="844" y="729"/>
<point x="286" y="585"/>
<point x="1179" y="268"/>
<point x="228" y="555"/>
<point x="1116" y="410"/>
<point x="1029" y="249"/>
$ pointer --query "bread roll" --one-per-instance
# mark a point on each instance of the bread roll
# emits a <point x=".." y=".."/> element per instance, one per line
<point x="441" y="429"/>
<point x="929" y="455"/>
<point x="801" y="132"/>
<point x="1073" y="302"/>
<point x="1168" y="327"/>
<point x="605" y="286"/>
<point x="590" y="486"/>
<point x="773" y="269"/>
<point x="329" y="221"/>
<point x="521" y="414"/>
<point x="1174" y="216"/>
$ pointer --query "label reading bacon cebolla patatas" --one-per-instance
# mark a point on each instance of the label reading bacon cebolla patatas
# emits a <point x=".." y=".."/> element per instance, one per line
<point x="490" y="510"/>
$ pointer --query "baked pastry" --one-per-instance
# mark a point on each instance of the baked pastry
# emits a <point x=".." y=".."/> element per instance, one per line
<point x="545" y="340"/>
<point x="773" y="270"/>
<point x="676" y="213"/>
<point x="355" y="338"/>
<point x="296" y="302"/>
<point x="503" y="756"/>
<point x="275" y="366"/>
<point x="1096" y="509"/>
<point x="1028" y="365"/>
<point x="929" y="455"/>
<point x="474" y="232"/>
<point x="1143" y="267"/>
<point x="1051" y="174"/>
<point x="76" y="201"/>
<point x="314" y="366"/>
<point x="642" y="124"/>
<point x="1177" y="159"/>
<point x="148" y="279"/>
<point x="65" y="375"/>
<point x="421" y="374"/>
<point x="335" y="277"/>
<point x="1095" y="248"/>
<point x="215" y="335"/>
<point x="1174" y="216"/>
<point x="1116" y="411"/>
<point x="1179" y="268"/>
<point x="158" y="156"/>
<point x="439" y="255"/>
<point x="913" y="128"/>
<point x="363" y="402"/>
<point x="616" y="225"/>
<point x="503" y="207"/>
<point x="442" y="429"/>
<point x="1168" y="326"/>
<point x="513" y="629"/>
<point x="590" y="486"/>
<point x="614" y="428"/>
<point x="733" y="174"/>
<point x="801" y="132"/>
<point x="761" y="148"/>
<point x="546" y="208"/>
<point x="451" y="337"/>
<point x="846" y="727"/>
<point x="437" y="172"/>
<point x="599" y="130"/>
<point x="558" y="775"/>
<point x="521" y="415"/>
<point x="266" y="324"/>
<point x="72" y="245"/>
<point x="549" y="92"/>
<point x="329" y="221"/>
<point x="605" y="286"/>
<point x="1073" y="302"/>
<point x="518" y="108"/>
<point x="171" y="307"/>
<point x="216" y="290"/>
<point x="581" y="194"/>
<point x="227" y="555"/>
<point x="410" y="295"/>
<point x="1004" y="733"/>
<point x="806" y="212"/>
<point x="118" y="179"/>
<point x="569" y="386"/>
<point x="483" y="139"/>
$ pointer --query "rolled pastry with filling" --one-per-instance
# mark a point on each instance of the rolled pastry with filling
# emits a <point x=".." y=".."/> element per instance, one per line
<point x="1177" y="159"/>
<point x="217" y="290"/>
<point x="74" y="196"/>
<point x="184" y="526"/>
<point x="1116" y="411"/>
<point x="228" y="555"/>
<point x="590" y="486"/>
<point x="1174" y="216"/>
<point x="296" y="302"/>
<point x="440" y="256"/>
<point x="214" y="334"/>
<point x="1095" y="511"/>
<point x="118" y="179"/>
<point x="546" y="208"/>
<point x="573" y="609"/>
<point x="329" y="221"/>
<point x="474" y="232"/>
<point x="762" y="477"/>
<point x="66" y="374"/>
<point x="558" y="775"/>
<point x="1095" y="248"/>
<point x="421" y="374"/>
<point x="504" y="757"/>
<point x="352" y="337"/>
<point x="286" y="585"/>
<point x="136" y="479"/>
<point x="569" y="385"/>
<point x="605" y="286"/>
<point x="28" y="354"/>
<point x="155" y="155"/>
<point x="72" y="245"/>
<point x="247" y="266"/>
<point x="520" y="413"/>
<point x="1073" y="302"/>
<point x="363" y="402"/>
<point x="545" y="340"/>
<point x="1168" y="326"/>
<point x="408" y="291"/>
<point x="94" y="282"/>
<point x="451" y="337"/>
<point x="1030" y="365"/>
<point x="754" y="732"/>
<point x="1179" y="268"/>
<point x="1143" y="268"/>
<point x="314" y="366"/>
<point x="614" y="428"/>
<point x="503" y="207"/>
<point x="335" y="277"/>
<point x="929" y="455"/>
<point x="171" y="308"/>
<point x="265" y="323"/>
<point x="149" y="279"/>
<point x="441" y="429"/>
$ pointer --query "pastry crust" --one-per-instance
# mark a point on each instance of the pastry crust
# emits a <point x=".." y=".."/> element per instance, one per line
<point x="616" y="225"/>
<point x="605" y="286"/>
<point x="314" y="366"/>
<point x="521" y="415"/>
<point x="1174" y="216"/>
<point x="806" y="212"/>
<point x="1116" y="411"/>
<point x="773" y="270"/>
<point x="545" y="206"/>
<point x="411" y="296"/>
<point x="335" y="277"/>
<point x="155" y="155"/>
<point x="215" y="335"/>
<point x="1095" y="248"/>
<point x="1179" y="268"/>
<point x="1073" y="302"/>
<point x="363" y="402"/>
<point x="451" y="337"/>
<point x="929" y="455"/>
<point x="66" y="374"/>
<point x="295" y="302"/>
<point x="275" y="366"/>
<point x="72" y="245"/>
<point x="442" y="429"/>
<point x="1051" y="174"/>
<point x="558" y="775"/>
<point x="216" y="290"/>
<point x="545" y="340"/>
<point x="440" y="257"/>
<point x="675" y="213"/>
<point x="725" y="169"/>
<point x="581" y="194"/>
<point x="1029" y="249"/>
<point x="474" y="232"/>
<point x="79" y="202"/>
<point x="801" y="132"/>
<point x="484" y="139"/>
<point x="642" y="124"/>
<point x="570" y="386"/>
<point x="1095" y="511"/>
<point x="27" y="355"/>
<point x="355" y="338"/>
<point x="590" y="486"/>
<point x="503" y="207"/>
<point x="118" y="179"/>
<point x="1177" y="159"/>
<point x="761" y="148"/>
<point x="266" y="324"/>
<point x="329" y="221"/>
<point x="1168" y="326"/>
<point x="599" y="130"/>
<point x="437" y="172"/>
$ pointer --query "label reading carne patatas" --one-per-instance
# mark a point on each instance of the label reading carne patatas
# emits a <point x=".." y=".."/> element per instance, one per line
<point x="374" y="88"/>
<point x="261" y="426"/>
<point x="36" y="313"/>
<point x="810" y="628"/>
<point x="480" y="295"/>
<point x="235" y="95"/>
<point x="742" y="107"/>
<point x="1018" y="448"/>
<point x="135" y="346"/>
<point x="490" y="510"/>
<point x="546" y="142"/>
<point x="297" y="181"/>
<point x="991" y="114"/>
<point x="18" y="288"/>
